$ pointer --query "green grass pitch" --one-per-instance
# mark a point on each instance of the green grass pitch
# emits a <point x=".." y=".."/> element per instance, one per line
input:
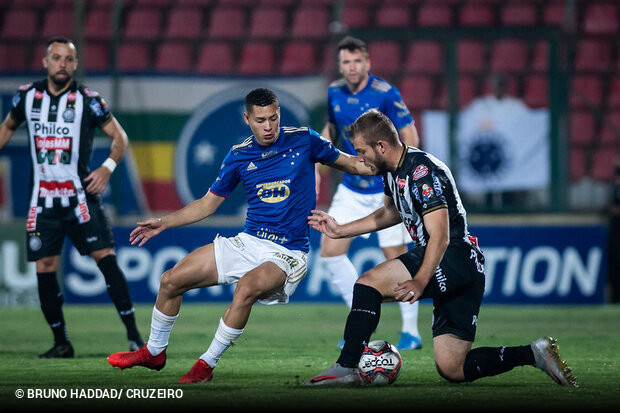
<point x="284" y="345"/>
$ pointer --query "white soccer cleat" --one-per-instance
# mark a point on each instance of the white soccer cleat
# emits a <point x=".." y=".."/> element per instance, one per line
<point x="548" y="359"/>
<point x="335" y="375"/>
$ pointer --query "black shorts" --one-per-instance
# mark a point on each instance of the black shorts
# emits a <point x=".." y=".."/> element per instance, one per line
<point x="456" y="288"/>
<point x="51" y="225"/>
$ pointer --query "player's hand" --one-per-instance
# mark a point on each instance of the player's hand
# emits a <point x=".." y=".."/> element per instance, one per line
<point x="409" y="291"/>
<point x="145" y="231"/>
<point x="324" y="223"/>
<point x="98" y="178"/>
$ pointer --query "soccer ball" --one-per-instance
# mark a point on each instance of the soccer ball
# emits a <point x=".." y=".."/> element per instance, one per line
<point x="380" y="363"/>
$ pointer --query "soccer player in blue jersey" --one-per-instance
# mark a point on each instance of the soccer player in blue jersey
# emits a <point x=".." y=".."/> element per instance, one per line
<point x="357" y="196"/>
<point x="268" y="259"/>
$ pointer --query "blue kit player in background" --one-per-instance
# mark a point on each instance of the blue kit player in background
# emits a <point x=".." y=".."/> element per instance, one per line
<point x="357" y="196"/>
<point x="268" y="259"/>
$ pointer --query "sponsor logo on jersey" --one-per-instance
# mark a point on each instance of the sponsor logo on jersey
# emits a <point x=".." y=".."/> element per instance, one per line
<point x="50" y="129"/>
<point x="31" y="221"/>
<point x="441" y="280"/>
<point x="420" y="172"/>
<point x="427" y="192"/>
<point x="96" y="107"/>
<point x="401" y="183"/>
<point x="82" y="213"/>
<point x="437" y="185"/>
<point x="251" y="167"/>
<point x="53" y="150"/>
<point x="274" y="192"/>
<point x="56" y="189"/>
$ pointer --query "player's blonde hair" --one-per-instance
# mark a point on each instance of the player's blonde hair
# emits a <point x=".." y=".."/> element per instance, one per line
<point x="374" y="126"/>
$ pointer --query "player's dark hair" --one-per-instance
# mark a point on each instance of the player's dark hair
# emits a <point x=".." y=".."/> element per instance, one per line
<point x="58" y="39"/>
<point x="260" y="97"/>
<point x="375" y="126"/>
<point x="352" y="44"/>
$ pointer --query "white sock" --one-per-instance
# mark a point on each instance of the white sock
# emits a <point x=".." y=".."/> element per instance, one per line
<point x="161" y="326"/>
<point x="343" y="275"/>
<point x="224" y="337"/>
<point x="409" y="314"/>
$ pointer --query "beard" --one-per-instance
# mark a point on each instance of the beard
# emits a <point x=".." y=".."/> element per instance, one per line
<point x="61" y="82"/>
<point x="379" y="167"/>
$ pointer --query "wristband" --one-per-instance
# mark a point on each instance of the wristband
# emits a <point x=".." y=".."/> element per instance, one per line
<point x="110" y="164"/>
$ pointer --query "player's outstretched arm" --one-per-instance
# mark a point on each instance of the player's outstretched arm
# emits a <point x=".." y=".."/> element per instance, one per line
<point x="194" y="212"/>
<point x="352" y="165"/>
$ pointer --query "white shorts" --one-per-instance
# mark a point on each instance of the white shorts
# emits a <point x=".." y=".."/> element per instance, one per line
<point x="348" y="206"/>
<point x="235" y="256"/>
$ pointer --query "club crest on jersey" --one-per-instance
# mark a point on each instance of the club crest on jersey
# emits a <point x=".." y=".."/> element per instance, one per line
<point x="419" y="172"/>
<point x="427" y="192"/>
<point x="274" y="192"/>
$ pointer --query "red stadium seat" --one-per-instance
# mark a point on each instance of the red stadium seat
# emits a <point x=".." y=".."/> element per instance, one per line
<point x="330" y="62"/>
<point x="511" y="87"/>
<point x="430" y="15"/>
<point x="393" y="15"/>
<point x="98" y="24"/>
<point x="96" y="57"/>
<point x="586" y="91"/>
<point x="58" y="23"/>
<point x="37" y="55"/>
<point x="195" y="3"/>
<point x="518" y="15"/>
<point x="610" y="134"/>
<point x="13" y="58"/>
<point x="466" y="92"/>
<point x="470" y="56"/>
<point x="385" y="57"/>
<point x="268" y="22"/>
<point x="417" y="92"/>
<point x="174" y="57"/>
<point x="143" y="24"/>
<point x="554" y="14"/>
<point x="593" y="56"/>
<point x="581" y="128"/>
<point x="299" y="57"/>
<point x="536" y="93"/>
<point x="540" y="60"/>
<point x="614" y="92"/>
<point x="601" y="19"/>
<point x="310" y="22"/>
<point x="476" y="15"/>
<point x="30" y="4"/>
<point x="256" y="59"/>
<point x="133" y="57"/>
<point x="159" y="4"/>
<point x="184" y="23"/>
<point x="508" y="55"/>
<point x="356" y="17"/>
<point x="603" y="164"/>
<point x="20" y="24"/>
<point x="226" y="23"/>
<point x="577" y="165"/>
<point x="424" y="57"/>
<point x="215" y="58"/>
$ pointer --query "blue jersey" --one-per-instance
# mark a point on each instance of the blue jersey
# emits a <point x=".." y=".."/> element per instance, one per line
<point x="279" y="183"/>
<point x="344" y="107"/>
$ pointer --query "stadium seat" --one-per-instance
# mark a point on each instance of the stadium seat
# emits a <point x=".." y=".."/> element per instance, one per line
<point x="540" y="59"/>
<point x="299" y="57"/>
<point x="226" y="23"/>
<point x="184" y="24"/>
<point x="310" y="22"/>
<point x="508" y="55"/>
<point x="256" y="59"/>
<point x="37" y="55"/>
<point x="470" y="56"/>
<point x="592" y="56"/>
<point x="518" y="15"/>
<point x="610" y="133"/>
<point x="511" y="87"/>
<point x="20" y="24"/>
<point x="393" y="15"/>
<point x="96" y="57"/>
<point x="431" y="15"/>
<point x="467" y="91"/>
<point x="385" y="57"/>
<point x="603" y="164"/>
<point x="143" y="24"/>
<point x="613" y="99"/>
<point x="58" y="23"/>
<point x="577" y="165"/>
<point x="158" y="4"/>
<point x="417" y="92"/>
<point x="329" y="64"/>
<point x="586" y="91"/>
<point x="268" y="22"/>
<point x="174" y="57"/>
<point x="554" y="14"/>
<point x="13" y="58"/>
<point x="424" y="57"/>
<point x="356" y="17"/>
<point x="30" y="4"/>
<point x="195" y="3"/>
<point x="601" y="19"/>
<point x="98" y="24"/>
<point x="133" y="57"/>
<point x="282" y="3"/>
<point x="472" y="14"/>
<point x="536" y="93"/>
<point x="581" y="128"/>
<point x="215" y="58"/>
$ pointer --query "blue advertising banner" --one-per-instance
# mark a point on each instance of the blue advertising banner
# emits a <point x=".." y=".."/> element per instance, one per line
<point x="531" y="265"/>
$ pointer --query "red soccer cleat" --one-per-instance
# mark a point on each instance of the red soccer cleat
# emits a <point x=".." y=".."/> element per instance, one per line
<point x="141" y="357"/>
<point x="200" y="371"/>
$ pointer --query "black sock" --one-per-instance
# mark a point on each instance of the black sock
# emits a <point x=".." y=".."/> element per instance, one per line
<point x="51" y="300"/>
<point x="489" y="361"/>
<point x="361" y="323"/>
<point x="118" y="290"/>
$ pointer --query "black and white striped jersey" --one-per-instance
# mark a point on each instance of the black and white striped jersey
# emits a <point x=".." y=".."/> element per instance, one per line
<point x="422" y="184"/>
<point x="61" y="130"/>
